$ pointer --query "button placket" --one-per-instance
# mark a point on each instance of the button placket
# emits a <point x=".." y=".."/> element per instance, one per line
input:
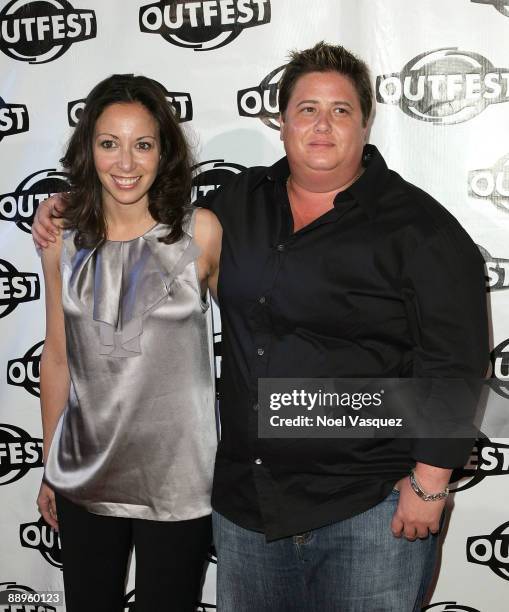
<point x="262" y="337"/>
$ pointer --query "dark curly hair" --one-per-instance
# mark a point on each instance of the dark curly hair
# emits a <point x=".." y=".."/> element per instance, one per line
<point x="170" y="194"/>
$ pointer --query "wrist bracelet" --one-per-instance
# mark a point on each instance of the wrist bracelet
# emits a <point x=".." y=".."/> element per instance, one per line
<point x="422" y="494"/>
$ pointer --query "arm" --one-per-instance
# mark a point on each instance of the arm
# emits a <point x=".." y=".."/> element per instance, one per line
<point x="208" y="235"/>
<point x="46" y="226"/>
<point x="445" y="291"/>
<point x="54" y="370"/>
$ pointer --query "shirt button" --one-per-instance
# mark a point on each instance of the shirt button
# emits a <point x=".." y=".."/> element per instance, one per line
<point x="280" y="247"/>
<point x="258" y="461"/>
<point x="260" y="351"/>
<point x="262" y="299"/>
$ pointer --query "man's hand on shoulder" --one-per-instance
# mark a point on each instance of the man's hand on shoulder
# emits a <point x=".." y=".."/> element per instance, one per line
<point x="46" y="227"/>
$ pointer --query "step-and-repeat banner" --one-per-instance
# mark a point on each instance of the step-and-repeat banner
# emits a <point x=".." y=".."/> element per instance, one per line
<point x="441" y="76"/>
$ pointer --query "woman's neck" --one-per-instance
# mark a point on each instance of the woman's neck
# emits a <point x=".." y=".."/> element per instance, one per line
<point x="127" y="221"/>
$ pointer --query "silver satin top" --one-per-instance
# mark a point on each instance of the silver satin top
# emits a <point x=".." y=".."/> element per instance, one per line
<point x="138" y="435"/>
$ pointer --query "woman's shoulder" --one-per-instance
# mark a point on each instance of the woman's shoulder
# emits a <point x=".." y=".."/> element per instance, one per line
<point x="205" y="222"/>
<point x="208" y="234"/>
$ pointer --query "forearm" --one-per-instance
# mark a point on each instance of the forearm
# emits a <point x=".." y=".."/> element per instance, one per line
<point x="46" y="224"/>
<point x="54" y="394"/>
<point x="431" y="478"/>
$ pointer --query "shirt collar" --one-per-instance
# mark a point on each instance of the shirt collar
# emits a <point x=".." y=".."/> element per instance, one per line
<point x="366" y="190"/>
<point x="280" y="171"/>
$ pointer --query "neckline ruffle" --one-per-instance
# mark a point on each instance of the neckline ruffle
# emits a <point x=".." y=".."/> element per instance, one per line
<point x="119" y="301"/>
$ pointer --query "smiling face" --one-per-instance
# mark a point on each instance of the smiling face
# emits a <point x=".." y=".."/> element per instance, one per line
<point x="126" y="153"/>
<point x="323" y="129"/>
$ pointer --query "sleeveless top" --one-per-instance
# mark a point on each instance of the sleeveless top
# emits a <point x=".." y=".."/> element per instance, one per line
<point x="138" y="435"/>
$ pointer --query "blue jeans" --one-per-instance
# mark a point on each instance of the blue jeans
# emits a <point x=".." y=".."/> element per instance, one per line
<point x="355" y="565"/>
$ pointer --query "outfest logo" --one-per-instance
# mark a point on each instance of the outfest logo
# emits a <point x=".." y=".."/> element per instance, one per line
<point x="203" y="25"/>
<point x="210" y="175"/>
<point x="491" y="550"/>
<point x="180" y="101"/>
<point x="444" y="86"/>
<point x="14" y="119"/>
<point x="448" y="606"/>
<point x="40" y="31"/>
<point x="25" y="371"/>
<point x="502" y="6"/>
<point x="19" y="453"/>
<point x="21" y="205"/>
<point x="261" y="101"/>
<point x="491" y="184"/>
<point x="129" y="601"/>
<point x="8" y="590"/>
<point x="487" y="459"/>
<point x="40" y="536"/>
<point x="16" y="287"/>
<point x="217" y="347"/>
<point x="500" y="368"/>
<point x="497" y="269"/>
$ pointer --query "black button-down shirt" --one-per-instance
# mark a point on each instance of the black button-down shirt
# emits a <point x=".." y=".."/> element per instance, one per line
<point x="385" y="284"/>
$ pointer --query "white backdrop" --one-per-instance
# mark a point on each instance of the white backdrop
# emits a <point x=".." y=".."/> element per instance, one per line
<point x="441" y="74"/>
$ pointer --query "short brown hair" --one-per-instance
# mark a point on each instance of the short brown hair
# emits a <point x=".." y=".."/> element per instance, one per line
<point x="327" y="58"/>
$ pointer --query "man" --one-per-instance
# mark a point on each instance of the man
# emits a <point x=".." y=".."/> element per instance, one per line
<point x="333" y="266"/>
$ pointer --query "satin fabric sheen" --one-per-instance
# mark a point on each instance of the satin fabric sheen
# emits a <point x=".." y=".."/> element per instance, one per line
<point x="138" y="435"/>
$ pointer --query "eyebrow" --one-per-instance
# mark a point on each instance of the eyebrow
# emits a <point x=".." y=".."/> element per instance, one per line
<point x="335" y="103"/>
<point x="116" y="137"/>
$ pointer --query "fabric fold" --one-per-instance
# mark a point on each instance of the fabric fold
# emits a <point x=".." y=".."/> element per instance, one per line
<point x="120" y="282"/>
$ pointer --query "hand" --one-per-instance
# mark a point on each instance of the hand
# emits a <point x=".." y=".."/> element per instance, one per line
<point x="44" y="227"/>
<point x="47" y="506"/>
<point x="415" y="518"/>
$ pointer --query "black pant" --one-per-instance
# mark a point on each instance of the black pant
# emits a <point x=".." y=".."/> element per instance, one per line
<point x="170" y="558"/>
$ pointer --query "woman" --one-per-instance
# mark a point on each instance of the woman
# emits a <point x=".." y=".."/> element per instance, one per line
<point x="127" y="369"/>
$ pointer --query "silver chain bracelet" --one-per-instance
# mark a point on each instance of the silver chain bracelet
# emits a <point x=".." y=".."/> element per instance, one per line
<point x="422" y="494"/>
